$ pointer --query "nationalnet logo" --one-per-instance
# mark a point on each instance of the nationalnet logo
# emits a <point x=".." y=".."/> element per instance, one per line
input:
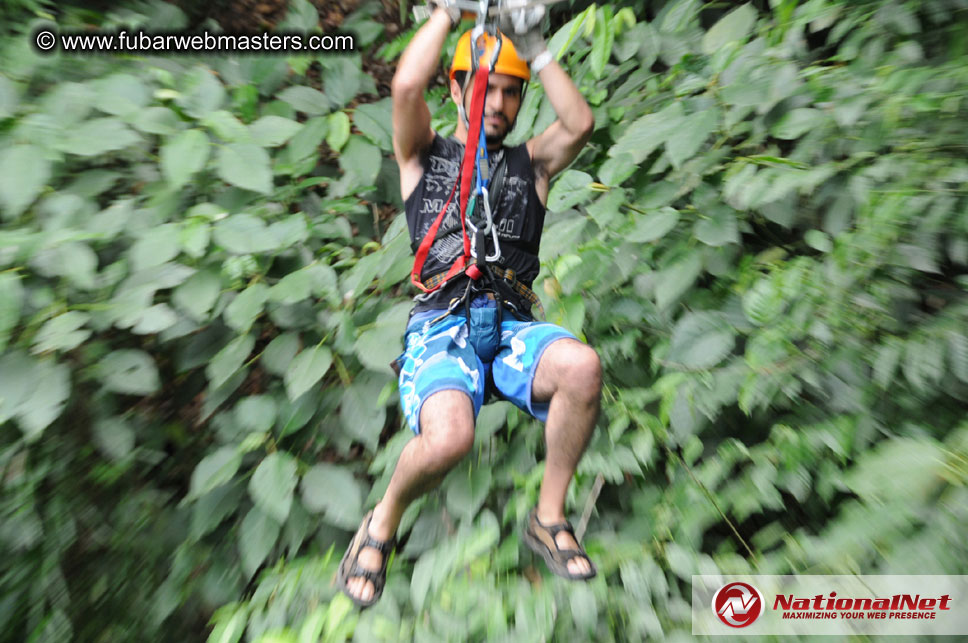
<point x="738" y="604"/>
<point x="845" y="605"/>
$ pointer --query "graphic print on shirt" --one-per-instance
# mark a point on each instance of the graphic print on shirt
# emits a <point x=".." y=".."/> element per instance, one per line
<point x="514" y="198"/>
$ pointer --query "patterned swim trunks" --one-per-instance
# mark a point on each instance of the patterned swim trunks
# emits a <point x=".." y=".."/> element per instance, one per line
<point x="442" y="355"/>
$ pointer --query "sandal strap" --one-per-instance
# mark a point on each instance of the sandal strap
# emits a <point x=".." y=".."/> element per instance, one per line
<point x="377" y="577"/>
<point x="382" y="546"/>
<point x="556" y="528"/>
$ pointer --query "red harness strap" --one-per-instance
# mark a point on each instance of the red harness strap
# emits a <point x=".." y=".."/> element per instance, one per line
<point x="466" y="174"/>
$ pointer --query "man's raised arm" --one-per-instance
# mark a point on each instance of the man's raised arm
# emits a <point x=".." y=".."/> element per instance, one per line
<point x="411" y="117"/>
<point x="556" y="147"/>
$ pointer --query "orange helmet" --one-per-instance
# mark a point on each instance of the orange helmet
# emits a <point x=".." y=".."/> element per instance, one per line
<point x="508" y="61"/>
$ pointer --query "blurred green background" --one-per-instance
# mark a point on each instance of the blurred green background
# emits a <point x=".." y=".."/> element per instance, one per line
<point x="203" y="276"/>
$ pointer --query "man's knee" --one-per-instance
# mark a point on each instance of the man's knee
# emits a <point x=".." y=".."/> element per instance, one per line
<point x="447" y="428"/>
<point x="581" y="370"/>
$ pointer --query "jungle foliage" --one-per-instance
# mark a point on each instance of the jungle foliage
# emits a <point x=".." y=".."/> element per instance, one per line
<point x="766" y="240"/>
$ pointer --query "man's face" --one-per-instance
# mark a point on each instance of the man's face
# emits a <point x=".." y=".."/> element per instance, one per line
<point x="500" y="107"/>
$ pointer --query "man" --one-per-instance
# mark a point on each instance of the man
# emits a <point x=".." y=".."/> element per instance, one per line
<point x="472" y="337"/>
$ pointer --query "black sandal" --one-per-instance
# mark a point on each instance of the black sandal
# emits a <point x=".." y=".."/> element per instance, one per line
<point x="557" y="558"/>
<point x="349" y="567"/>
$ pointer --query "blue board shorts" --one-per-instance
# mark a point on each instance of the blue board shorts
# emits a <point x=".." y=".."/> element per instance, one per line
<point x="441" y="355"/>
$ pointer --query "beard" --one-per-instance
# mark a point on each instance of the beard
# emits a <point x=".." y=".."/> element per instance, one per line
<point x="496" y="136"/>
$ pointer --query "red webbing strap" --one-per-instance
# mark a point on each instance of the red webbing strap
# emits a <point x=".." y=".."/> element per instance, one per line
<point x="470" y="147"/>
<point x="467" y="171"/>
<point x="424" y="249"/>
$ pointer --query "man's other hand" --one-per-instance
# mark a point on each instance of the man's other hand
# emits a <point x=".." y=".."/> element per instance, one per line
<point x="450" y="6"/>
<point x="523" y="27"/>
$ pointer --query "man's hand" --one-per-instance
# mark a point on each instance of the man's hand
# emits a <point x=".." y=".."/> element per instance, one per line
<point x="523" y="26"/>
<point x="450" y="6"/>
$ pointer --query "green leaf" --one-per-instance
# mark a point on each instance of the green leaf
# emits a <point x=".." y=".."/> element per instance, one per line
<point x="300" y="154"/>
<point x="280" y="353"/>
<point x="155" y="247"/>
<point x="334" y="491"/>
<point x="360" y="162"/>
<point x="228" y="360"/>
<point x="312" y="627"/>
<point x="616" y="169"/>
<point x="44" y="404"/>
<point x="958" y="355"/>
<point x="11" y="303"/>
<point x="701" y="341"/>
<point x="338" y="130"/>
<point x="423" y="572"/>
<point x="98" y="136"/>
<point x="197" y="295"/>
<point x="293" y="288"/>
<point x="378" y="346"/>
<point x="183" y="156"/>
<point x="719" y="228"/>
<point x="256" y="413"/>
<point x="571" y="188"/>
<point x="675" y="280"/>
<point x="676" y="16"/>
<point x="257" y="534"/>
<point x="114" y="438"/>
<point x="247" y="305"/>
<point x="341" y="78"/>
<point x="229" y="630"/>
<point x="155" y="319"/>
<point x="602" y="44"/>
<point x="156" y="120"/>
<point x="272" y="485"/>
<point x="683" y="142"/>
<point x="273" y="131"/>
<point x="735" y="25"/>
<point x="653" y="226"/>
<point x="763" y="302"/>
<point x="243" y="234"/>
<point x="605" y="211"/>
<point x="227" y="127"/>
<point x="374" y="121"/>
<point x="201" y="94"/>
<point x="649" y="132"/>
<point x="886" y="361"/>
<point x="129" y="371"/>
<point x="194" y="237"/>
<point x="358" y="414"/>
<point x="818" y="240"/>
<point x="304" y="99"/>
<point x="245" y="165"/>
<point x="302" y="16"/>
<point x="290" y="231"/>
<point x="584" y="607"/>
<point x="798" y="122"/>
<point x="467" y="490"/>
<point x="306" y="369"/>
<point x="294" y="415"/>
<point x="77" y="264"/>
<point x="214" y="470"/>
<point x="9" y="98"/>
<point x="17" y="372"/>
<point x="24" y="171"/>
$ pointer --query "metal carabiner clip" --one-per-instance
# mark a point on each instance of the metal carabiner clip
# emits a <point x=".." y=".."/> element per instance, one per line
<point x="490" y="227"/>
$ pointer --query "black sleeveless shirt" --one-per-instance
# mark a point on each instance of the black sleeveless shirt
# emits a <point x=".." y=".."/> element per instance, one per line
<point x="519" y="218"/>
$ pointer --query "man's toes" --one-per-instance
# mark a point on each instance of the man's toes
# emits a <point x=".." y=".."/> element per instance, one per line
<point x="361" y="588"/>
<point x="579" y="566"/>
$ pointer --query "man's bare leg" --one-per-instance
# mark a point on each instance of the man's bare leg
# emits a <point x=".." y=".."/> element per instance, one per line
<point x="446" y="436"/>
<point x="570" y="375"/>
